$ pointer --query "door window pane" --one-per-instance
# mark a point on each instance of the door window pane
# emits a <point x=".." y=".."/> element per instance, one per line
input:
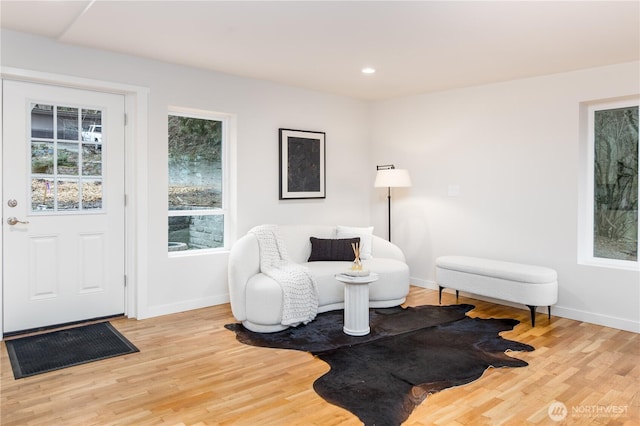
<point x="42" y="121"/>
<point x="67" y="123"/>
<point x="42" y="194"/>
<point x="68" y="194"/>
<point x="92" y="125"/>
<point x="91" y="194"/>
<point x="67" y="159"/>
<point x="42" y="157"/>
<point x="91" y="160"/>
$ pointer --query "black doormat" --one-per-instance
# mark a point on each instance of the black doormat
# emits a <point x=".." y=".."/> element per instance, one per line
<point x="38" y="354"/>
<point x="409" y="354"/>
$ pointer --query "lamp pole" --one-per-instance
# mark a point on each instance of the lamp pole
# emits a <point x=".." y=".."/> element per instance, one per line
<point x="389" y="208"/>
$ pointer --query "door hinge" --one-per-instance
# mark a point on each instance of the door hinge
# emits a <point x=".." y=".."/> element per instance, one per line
<point x="125" y="200"/>
<point x="125" y="280"/>
<point x="125" y="118"/>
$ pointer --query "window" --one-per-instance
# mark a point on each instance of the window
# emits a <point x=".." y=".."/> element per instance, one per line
<point x="612" y="161"/>
<point x="197" y="196"/>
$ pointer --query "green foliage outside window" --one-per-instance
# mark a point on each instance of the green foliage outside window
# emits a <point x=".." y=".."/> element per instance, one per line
<point x="191" y="138"/>
<point x="616" y="184"/>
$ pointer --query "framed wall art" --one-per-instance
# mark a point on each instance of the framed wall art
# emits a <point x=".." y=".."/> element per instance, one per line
<point x="302" y="164"/>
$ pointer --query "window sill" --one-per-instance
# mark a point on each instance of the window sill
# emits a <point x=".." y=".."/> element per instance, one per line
<point x="626" y="265"/>
<point x="201" y="252"/>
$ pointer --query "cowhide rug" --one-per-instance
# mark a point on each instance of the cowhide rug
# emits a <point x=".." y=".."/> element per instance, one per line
<point x="409" y="354"/>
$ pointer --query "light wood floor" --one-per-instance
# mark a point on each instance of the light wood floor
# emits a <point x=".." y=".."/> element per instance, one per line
<point x="191" y="371"/>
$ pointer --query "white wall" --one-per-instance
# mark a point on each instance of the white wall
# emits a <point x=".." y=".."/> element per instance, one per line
<point x="178" y="283"/>
<point x="513" y="150"/>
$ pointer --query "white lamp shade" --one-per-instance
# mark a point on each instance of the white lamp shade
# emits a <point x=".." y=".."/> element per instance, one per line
<point x="392" y="178"/>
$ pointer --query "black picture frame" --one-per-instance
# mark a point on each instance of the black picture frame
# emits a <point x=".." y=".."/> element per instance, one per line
<point x="302" y="164"/>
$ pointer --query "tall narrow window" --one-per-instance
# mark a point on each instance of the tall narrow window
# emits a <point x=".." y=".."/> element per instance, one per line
<point x="196" y="174"/>
<point x="614" y="163"/>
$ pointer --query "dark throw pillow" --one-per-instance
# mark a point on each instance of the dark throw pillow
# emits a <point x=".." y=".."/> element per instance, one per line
<point x="332" y="249"/>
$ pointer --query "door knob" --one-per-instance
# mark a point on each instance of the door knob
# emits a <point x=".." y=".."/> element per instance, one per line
<point x="13" y="221"/>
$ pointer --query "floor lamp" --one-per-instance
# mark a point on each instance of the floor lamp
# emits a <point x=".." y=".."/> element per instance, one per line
<point x="390" y="177"/>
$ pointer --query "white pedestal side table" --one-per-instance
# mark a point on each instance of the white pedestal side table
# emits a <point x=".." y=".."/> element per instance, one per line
<point x="356" y="303"/>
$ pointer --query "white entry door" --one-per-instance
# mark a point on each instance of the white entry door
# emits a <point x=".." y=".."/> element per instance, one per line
<point x="63" y="205"/>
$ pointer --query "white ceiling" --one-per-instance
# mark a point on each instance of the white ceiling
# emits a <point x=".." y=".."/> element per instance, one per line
<point x="416" y="47"/>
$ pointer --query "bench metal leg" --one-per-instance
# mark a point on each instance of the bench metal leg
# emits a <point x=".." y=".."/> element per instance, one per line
<point x="440" y="288"/>
<point x="533" y="315"/>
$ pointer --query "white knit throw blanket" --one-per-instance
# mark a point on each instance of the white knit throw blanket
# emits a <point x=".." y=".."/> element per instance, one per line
<point x="299" y="290"/>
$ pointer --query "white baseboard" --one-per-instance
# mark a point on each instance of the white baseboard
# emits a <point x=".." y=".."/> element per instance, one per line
<point x="418" y="282"/>
<point x="182" y="306"/>
<point x="598" y="319"/>
<point x="556" y="310"/>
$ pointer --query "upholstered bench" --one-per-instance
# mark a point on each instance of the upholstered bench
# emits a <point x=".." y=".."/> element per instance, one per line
<point x="514" y="282"/>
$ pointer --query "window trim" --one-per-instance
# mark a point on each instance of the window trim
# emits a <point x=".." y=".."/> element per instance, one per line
<point x="227" y="120"/>
<point x="587" y="185"/>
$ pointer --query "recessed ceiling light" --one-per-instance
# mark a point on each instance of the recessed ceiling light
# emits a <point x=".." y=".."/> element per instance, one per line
<point x="368" y="70"/>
